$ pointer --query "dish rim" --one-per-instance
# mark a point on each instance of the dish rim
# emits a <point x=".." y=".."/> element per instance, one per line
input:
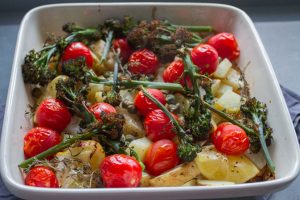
<point x="11" y="183"/>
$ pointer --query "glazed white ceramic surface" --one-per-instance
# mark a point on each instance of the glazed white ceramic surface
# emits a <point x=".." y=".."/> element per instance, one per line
<point x="253" y="61"/>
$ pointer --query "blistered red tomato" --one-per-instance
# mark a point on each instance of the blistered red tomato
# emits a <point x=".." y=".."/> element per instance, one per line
<point x="98" y="109"/>
<point x="52" y="113"/>
<point x="120" y="170"/>
<point x="230" y="139"/>
<point x="174" y="73"/>
<point x="158" y="125"/>
<point x="205" y="57"/>
<point x="40" y="139"/>
<point x="143" y="62"/>
<point x="161" y="156"/>
<point x="41" y="176"/>
<point x="226" y="45"/>
<point x="145" y="105"/>
<point x="76" y="50"/>
<point x="122" y="44"/>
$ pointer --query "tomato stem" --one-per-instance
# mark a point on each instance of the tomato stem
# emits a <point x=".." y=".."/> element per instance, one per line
<point x="65" y="144"/>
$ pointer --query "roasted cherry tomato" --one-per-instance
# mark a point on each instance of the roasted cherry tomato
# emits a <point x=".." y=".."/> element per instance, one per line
<point x="205" y="57"/>
<point x="226" y="45"/>
<point x="53" y="114"/>
<point x="120" y="170"/>
<point x="143" y="62"/>
<point x="158" y="126"/>
<point x="125" y="49"/>
<point x="41" y="176"/>
<point x="76" y="50"/>
<point x="145" y="105"/>
<point x="230" y="139"/>
<point x="161" y="156"/>
<point x="174" y="73"/>
<point x="40" y="139"/>
<point x="98" y="109"/>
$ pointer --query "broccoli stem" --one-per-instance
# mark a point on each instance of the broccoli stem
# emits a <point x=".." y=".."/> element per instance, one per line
<point x="133" y="83"/>
<point x="227" y="117"/>
<point x="257" y="120"/>
<point x="65" y="144"/>
<point x="191" y="71"/>
<point x="107" y="46"/>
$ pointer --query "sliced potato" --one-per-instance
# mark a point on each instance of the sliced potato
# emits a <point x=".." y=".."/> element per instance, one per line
<point x="108" y="65"/>
<point x="223" y="88"/>
<point x="140" y="146"/>
<point x="213" y="183"/>
<point x="220" y="167"/>
<point x="88" y="151"/>
<point x="50" y="91"/>
<point x="234" y="79"/>
<point x="241" y="169"/>
<point x="215" y="86"/>
<point x="95" y="93"/>
<point x="223" y="68"/>
<point x="257" y="158"/>
<point x="145" y="181"/>
<point x="177" y="176"/>
<point x="212" y="164"/>
<point x="133" y="124"/>
<point x="192" y="182"/>
<point x="229" y="102"/>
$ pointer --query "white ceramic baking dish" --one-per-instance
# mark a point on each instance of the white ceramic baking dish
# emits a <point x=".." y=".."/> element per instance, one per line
<point x="253" y="60"/>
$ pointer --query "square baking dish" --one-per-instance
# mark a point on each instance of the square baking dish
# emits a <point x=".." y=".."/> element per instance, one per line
<point x="253" y="61"/>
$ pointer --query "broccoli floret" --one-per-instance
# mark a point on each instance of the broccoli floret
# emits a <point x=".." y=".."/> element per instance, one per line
<point x="198" y="124"/>
<point x="74" y="95"/>
<point x="77" y="70"/>
<point x="257" y="112"/>
<point x="36" y="70"/>
<point x="187" y="150"/>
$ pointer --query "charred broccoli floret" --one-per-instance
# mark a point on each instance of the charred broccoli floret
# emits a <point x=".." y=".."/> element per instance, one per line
<point x="74" y="94"/>
<point x="198" y="123"/>
<point x="36" y="69"/>
<point x="257" y="112"/>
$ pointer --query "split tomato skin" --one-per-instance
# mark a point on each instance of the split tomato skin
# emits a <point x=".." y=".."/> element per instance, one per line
<point x="175" y="73"/>
<point x="52" y="113"/>
<point x="226" y="45"/>
<point x="40" y="139"/>
<point x="122" y="44"/>
<point x="230" y="139"/>
<point x="98" y="108"/>
<point x="205" y="57"/>
<point x="76" y="50"/>
<point x="120" y="170"/>
<point x="143" y="62"/>
<point x="158" y="126"/>
<point x="161" y="156"/>
<point x="41" y="176"/>
<point x="144" y="104"/>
